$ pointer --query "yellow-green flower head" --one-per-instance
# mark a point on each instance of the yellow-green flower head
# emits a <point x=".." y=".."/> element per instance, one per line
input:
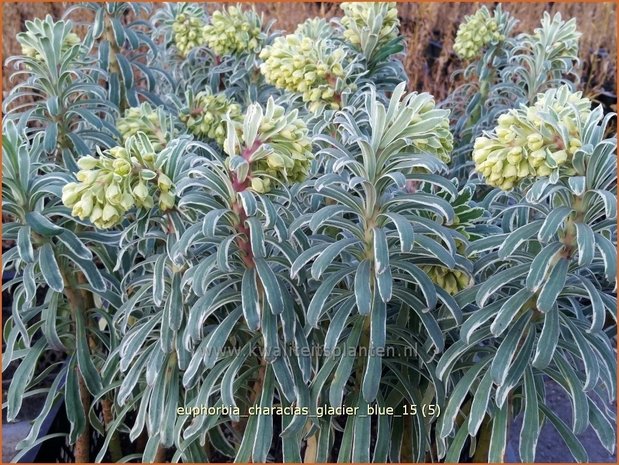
<point x="119" y="179"/>
<point x="274" y="142"/>
<point x="153" y="122"/>
<point x="187" y="31"/>
<point x="477" y="32"/>
<point x="31" y="40"/>
<point x="362" y="19"/>
<point x="205" y="115"/>
<point x="452" y="281"/>
<point x="234" y="32"/>
<point x="526" y="144"/>
<point x="312" y="68"/>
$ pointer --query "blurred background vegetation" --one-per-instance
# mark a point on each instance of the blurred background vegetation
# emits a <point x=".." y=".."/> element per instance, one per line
<point x="429" y="28"/>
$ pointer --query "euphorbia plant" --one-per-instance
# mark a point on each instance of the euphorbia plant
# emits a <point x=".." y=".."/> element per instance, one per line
<point x="233" y="236"/>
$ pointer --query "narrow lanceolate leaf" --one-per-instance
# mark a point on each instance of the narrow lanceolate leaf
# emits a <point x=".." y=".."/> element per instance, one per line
<point x="608" y="251"/>
<point x="84" y="358"/>
<point x="541" y="265"/>
<point x="250" y="299"/>
<point x="49" y="268"/>
<point x="215" y="346"/>
<point x="378" y="336"/>
<point x="602" y="426"/>
<point x="548" y="339"/>
<point x="329" y="254"/>
<point x="159" y="279"/>
<point x="381" y="251"/>
<point x="337" y="325"/>
<point x="325" y="213"/>
<point x="570" y="439"/>
<point x="497" y="281"/>
<point x="21" y="378"/>
<point x="263" y="436"/>
<point x="361" y="437"/>
<point x="304" y="258"/>
<point x="553" y="286"/>
<point x="405" y="231"/>
<point x="174" y="303"/>
<point x="480" y="403"/>
<point x="344" y="368"/>
<point x="552" y="223"/>
<point x="498" y="438"/>
<point x="41" y="225"/>
<point x="580" y="405"/>
<point x="384" y="283"/>
<point x="588" y="356"/>
<point x="598" y="312"/>
<point x="516" y="238"/>
<point x="586" y="244"/>
<point x="363" y="287"/>
<point x="73" y="402"/>
<point x="24" y="245"/>
<point x="529" y="432"/>
<point x="256" y="234"/>
<point x="509" y="310"/>
<point x="75" y="245"/>
<point x="316" y="306"/>
<point x="270" y="285"/>
<point x="508" y="349"/>
<point x="457" y="396"/>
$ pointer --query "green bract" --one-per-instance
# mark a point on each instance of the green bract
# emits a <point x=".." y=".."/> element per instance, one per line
<point x="270" y="145"/>
<point x="370" y="21"/>
<point x="311" y="67"/>
<point x="234" y="31"/>
<point x="206" y="113"/>
<point x="188" y="30"/>
<point x="534" y="141"/>
<point x="120" y="178"/>
<point x="478" y="31"/>
<point x="154" y="123"/>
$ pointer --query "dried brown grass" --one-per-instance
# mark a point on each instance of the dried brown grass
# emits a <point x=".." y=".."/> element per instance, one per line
<point x="429" y="29"/>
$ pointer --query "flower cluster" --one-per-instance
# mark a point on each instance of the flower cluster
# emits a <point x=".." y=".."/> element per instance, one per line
<point x="188" y="30"/>
<point x="153" y="122"/>
<point x="453" y="281"/>
<point x="533" y="141"/>
<point x="362" y="18"/>
<point x="477" y="31"/>
<point x="274" y="143"/>
<point x="306" y="66"/>
<point x="30" y="41"/>
<point x="112" y="184"/>
<point x="205" y="115"/>
<point x="234" y="32"/>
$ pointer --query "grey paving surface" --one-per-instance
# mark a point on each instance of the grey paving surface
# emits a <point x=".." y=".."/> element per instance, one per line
<point x="12" y="433"/>
<point x="550" y="447"/>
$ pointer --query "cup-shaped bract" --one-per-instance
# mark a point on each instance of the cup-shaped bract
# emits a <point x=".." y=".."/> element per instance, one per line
<point x="534" y="141"/>
<point x="477" y="32"/>
<point x="234" y="31"/>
